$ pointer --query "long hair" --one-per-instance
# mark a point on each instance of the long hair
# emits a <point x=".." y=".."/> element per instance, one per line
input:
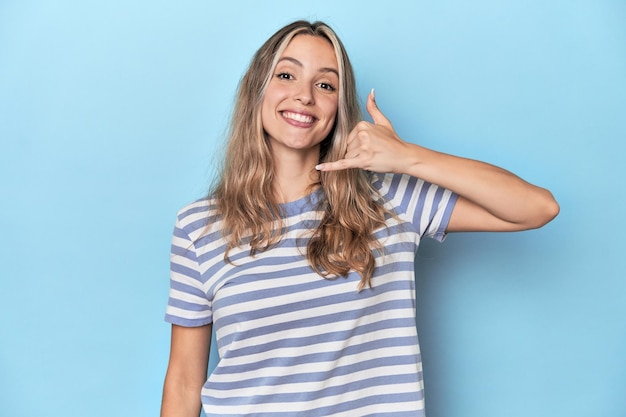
<point x="344" y="239"/>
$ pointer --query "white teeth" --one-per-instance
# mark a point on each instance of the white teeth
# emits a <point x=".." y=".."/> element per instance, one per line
<point x="298" y="117"/>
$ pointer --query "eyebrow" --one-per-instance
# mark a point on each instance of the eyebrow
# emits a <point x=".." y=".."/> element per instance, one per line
<point x="298" y="63"/>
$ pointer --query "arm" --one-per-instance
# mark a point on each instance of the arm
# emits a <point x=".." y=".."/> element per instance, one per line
<point x="490" y="198"/>
<point x="186" y="372"/>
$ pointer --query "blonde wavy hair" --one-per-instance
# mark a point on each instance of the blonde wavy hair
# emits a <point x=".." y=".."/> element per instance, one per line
<point x="344" y="239"/>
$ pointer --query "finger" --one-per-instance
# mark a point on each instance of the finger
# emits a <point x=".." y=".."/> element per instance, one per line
<point x="353" y="145"/>
<point x="372" y="108"/>
<point x="338" y="165"/>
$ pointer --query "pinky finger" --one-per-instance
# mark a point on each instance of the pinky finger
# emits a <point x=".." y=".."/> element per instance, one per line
<point x="336" y="166"/>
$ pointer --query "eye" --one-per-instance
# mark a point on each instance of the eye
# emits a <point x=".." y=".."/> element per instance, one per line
<point x="327" y="86"/>
<point x="284" y="76"/>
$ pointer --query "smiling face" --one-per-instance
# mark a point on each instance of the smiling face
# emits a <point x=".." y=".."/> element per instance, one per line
<point x="300" y="103"/>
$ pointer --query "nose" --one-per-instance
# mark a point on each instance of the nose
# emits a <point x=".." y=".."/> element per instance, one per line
<point x="304" y="94"/>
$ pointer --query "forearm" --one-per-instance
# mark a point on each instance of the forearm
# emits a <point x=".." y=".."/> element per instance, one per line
<point x="499" y="192"/>
<point x="186" y="371"/>
<point x="180" y="399"/>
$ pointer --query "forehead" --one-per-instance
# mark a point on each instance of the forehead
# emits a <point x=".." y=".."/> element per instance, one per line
<point x="312" y="50"/>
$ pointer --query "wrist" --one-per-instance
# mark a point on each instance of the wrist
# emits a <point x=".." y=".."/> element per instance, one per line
<point x="413" y="159"/>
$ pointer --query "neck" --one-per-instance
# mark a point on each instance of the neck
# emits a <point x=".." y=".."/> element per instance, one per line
<point x="295" y="174"/>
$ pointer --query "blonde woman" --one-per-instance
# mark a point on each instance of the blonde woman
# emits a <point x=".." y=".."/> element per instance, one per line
<point x="301" y="258"/>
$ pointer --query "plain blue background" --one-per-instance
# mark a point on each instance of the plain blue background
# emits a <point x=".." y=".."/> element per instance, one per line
<point x="113" y="113"/>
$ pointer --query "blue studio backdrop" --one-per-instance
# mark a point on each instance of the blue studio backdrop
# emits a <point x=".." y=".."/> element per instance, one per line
<point x="112" y="117"/>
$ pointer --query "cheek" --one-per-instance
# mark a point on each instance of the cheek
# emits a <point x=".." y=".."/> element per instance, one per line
<point x="267" y="108"/>
<point x="330" y="109"/>
<point x="274" y="95"/>
<point x="333" y="115"/>
<point x="330" y="120"/>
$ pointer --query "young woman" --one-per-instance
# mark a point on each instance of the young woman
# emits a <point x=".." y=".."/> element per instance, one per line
<point x="302" y="257"/>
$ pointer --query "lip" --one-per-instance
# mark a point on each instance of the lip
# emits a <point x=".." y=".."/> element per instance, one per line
<point x="298" y="118"/>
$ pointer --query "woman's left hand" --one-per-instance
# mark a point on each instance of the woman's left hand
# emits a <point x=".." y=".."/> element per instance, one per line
<point x="373" y="146"/>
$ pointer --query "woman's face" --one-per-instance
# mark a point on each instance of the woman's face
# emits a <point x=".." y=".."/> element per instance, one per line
<point x="300" y="104"/>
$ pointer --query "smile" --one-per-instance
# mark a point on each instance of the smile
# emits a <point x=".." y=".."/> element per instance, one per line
<point x="298" y="117"/>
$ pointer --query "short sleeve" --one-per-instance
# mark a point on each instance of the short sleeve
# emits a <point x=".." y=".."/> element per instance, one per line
<point x="188" y="304"/>
<point x="427" y="207"/>
<point x="439" y="203"/>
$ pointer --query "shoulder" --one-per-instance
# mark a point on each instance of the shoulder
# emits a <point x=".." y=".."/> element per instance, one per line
<point x="196" y="216"/>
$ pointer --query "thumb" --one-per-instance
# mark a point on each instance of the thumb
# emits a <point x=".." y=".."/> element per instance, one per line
<point x="377" y="116"/>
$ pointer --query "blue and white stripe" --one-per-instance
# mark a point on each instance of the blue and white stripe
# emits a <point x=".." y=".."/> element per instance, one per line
<point x="293" y="343"/>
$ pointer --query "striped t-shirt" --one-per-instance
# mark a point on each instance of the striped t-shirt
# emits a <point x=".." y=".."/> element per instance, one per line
<point x="292" y="343"/>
